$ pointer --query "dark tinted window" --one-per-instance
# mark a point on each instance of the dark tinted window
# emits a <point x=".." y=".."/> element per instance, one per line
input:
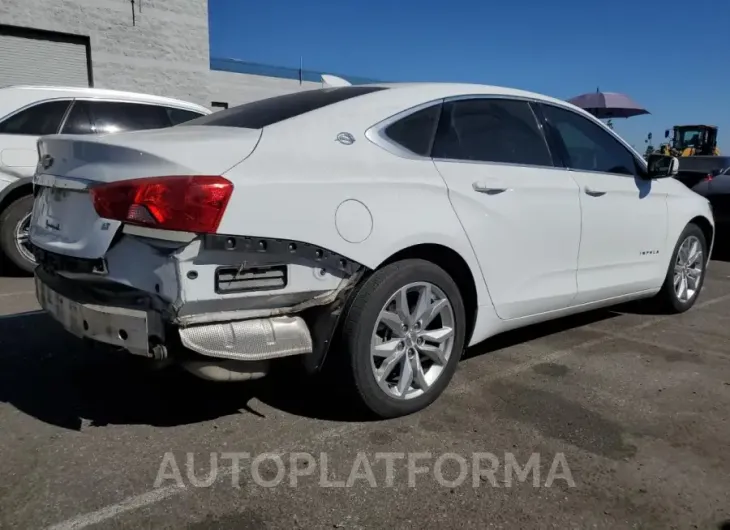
<point x="490" y="130"/>
<point x="258" y="114"/>
<point x="41" y="119"/>
<point x="588" y="147"/>
<point x="111" y="117"/>
<point x="79" y="119"/>
<point x="178" y="116"/>
<point x="416" y="131"/>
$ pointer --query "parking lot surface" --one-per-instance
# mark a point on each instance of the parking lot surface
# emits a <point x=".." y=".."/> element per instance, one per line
<point x="626" y="411"/>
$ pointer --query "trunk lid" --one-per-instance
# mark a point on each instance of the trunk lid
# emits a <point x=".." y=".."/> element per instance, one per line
<point x="64" y="220"/>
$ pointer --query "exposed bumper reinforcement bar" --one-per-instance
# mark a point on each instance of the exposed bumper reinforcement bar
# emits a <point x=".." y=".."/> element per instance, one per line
<point x="250" y="340"/>
<point x="123" y="327"/>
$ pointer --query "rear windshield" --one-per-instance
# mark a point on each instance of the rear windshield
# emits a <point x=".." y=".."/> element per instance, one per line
<point x="258" y="114"/>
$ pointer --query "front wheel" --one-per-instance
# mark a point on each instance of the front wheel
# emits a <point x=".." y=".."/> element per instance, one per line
<point x="686" y="273"/>
<point x="14" y="230"/>
<point x="404" y="335"/>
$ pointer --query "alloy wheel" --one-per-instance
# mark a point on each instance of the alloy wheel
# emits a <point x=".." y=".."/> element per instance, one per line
<point x="688" y="269"/>
<point x="22" y="238"/>
<point x="413" y="340"/>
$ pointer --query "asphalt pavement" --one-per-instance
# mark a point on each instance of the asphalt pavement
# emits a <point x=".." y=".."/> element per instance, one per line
<point x="614" y="419"/>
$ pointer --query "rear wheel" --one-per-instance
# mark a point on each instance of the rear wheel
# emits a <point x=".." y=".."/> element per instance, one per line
<point x="14" y="231"/>
<point x="404" y="335"/>
<point x="686" y="273"/>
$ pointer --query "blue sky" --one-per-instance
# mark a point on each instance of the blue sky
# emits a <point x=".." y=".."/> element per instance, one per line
<point x="670" y="58"/>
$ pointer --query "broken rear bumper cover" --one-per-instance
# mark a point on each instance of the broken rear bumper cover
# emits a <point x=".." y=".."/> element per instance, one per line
<point x="222" y="326"/>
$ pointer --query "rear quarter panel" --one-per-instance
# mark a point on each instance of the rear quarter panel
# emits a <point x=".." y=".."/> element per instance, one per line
<point x="296" y="180"/>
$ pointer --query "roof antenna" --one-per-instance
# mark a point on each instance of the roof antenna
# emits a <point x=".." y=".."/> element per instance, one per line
<point x="134" y="20"/>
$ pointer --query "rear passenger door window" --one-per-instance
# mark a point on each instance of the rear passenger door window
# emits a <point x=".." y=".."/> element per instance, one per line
<point x="78" y="120"/>
<point x="587" y="147"/>
<point x="490" y="130"/>
<point x="38" y="120"/>
<point x="112" y="117"/>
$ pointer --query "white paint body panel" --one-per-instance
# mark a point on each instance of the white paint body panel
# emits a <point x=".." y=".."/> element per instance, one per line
<point x="538" y="251"/>
<point x="526" y="238"/>
<point x="624" y="244"/>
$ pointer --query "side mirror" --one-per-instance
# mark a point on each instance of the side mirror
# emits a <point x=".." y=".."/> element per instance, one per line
<point x="661" y="166"/>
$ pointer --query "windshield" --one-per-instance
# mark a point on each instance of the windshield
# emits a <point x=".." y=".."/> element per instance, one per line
<point x="687" y="138"/>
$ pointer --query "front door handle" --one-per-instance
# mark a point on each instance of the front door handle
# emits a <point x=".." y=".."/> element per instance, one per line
<point x="594" y="193"/>
<point x="483" y="188"/>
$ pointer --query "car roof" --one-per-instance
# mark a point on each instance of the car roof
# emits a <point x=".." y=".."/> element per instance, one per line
<point x="430" y="90"/>
<point x="15" y="97"/>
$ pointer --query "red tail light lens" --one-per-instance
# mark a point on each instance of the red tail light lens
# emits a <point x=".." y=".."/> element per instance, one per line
<point x="184" y="203"/>
<point x="709" y="177"/>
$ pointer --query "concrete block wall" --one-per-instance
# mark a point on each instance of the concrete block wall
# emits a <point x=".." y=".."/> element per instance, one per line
<point x="165" y="52"/>
<point x="236" y="88"/>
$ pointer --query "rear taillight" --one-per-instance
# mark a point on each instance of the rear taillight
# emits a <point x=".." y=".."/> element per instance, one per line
<point x="708" y="177"/>
<point x="184" y="203"/>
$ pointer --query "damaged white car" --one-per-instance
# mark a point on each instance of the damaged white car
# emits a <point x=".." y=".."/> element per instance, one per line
<point x="397" y="223"/>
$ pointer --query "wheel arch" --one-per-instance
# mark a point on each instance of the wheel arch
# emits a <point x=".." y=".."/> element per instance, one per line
<point x="708" y="230"/>
<point x="455" y="265"/>
<point x="20" y="188"/>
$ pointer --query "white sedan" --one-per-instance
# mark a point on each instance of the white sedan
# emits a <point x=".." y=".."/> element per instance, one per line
<point x="382" y="228"/>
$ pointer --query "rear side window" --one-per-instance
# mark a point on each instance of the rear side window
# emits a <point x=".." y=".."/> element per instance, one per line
<point x="261" y="113"/>
<point x="38" y="120"/>
<point x="178" y="116"/>
<point x="491" y="130"/>
<point x="112" y="117"/>
<point x="78" y="120"/>
<point x="416" y="131"/>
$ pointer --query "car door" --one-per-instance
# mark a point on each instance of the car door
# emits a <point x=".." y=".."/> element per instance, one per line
<point x="520" y="212"/>
<point x="19" y="134"/>
<point x="623" y="246"/>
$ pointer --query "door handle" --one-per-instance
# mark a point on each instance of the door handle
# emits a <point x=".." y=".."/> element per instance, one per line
<point x="594" y="193"/>
<point x="483" y="188"/>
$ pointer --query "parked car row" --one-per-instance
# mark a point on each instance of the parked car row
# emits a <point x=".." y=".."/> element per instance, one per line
<point x="29" y="112"/>
<point x="382" y="228"/>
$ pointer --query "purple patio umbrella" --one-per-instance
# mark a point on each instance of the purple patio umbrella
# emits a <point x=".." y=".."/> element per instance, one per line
<point x="607" y="105"/>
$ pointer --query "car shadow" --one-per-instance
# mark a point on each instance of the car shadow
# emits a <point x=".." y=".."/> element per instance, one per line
<point x="58" y="379"/>
<point x="721" y="250"/>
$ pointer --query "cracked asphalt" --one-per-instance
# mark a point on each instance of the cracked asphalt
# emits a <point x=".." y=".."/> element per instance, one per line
<point x="637" y="405"/>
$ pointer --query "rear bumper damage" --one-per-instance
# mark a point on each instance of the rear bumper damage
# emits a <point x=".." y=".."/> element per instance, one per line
<point x="218" y="304"/>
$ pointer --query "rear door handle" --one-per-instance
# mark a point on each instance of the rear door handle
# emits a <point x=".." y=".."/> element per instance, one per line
<point x="489" y="190"/>
<point x="594" y="193"/>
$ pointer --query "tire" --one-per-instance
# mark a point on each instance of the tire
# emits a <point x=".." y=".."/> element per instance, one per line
<point x="668" y="299"/>
<point x="363" y="319"/>
<point x="14" y="214"/>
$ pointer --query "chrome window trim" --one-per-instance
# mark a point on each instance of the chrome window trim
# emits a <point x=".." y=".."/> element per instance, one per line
<point x="35" y="103"/>
<point x="376" y="133"/>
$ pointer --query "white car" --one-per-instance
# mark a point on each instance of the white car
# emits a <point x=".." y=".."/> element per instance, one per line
<point x="29" y="112"/>
<point x="397" y="223"/>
